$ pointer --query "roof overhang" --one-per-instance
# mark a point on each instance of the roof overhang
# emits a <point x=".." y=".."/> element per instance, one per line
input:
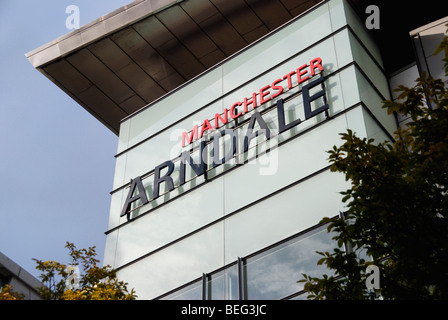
<point x="127" y="59"/>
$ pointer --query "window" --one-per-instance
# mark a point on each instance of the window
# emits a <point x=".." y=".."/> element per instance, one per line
<point x="272" y="273"/>
<point x="223" y="285"/>
<point x="191" y="291"/>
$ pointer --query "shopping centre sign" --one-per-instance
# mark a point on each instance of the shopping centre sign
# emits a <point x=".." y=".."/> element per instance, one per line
<point x="265" y="94"/>
<point x="312" y="71"/>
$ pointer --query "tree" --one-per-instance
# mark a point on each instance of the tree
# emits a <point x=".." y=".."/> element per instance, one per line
<point x="62" y="282"/>
<point x="397" y="206"/>
<point x="7" y="293"/>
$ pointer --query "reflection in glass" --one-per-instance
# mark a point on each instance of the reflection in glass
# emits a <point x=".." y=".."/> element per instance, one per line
<point x="271" y="274"/>
<point x="223" y="285"/>
<point x="191" y="292"/>
<point x="274" y="274"/>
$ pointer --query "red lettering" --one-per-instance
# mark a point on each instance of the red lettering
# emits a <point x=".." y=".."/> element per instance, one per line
<point x="232" y="108"/>
<point x="279" y="89"/>
<point x="263" y="94"/>
<point x="301" y="72"/>
<point x="218" y="116"/>
<point x="288" y="76"/>
<point x="193" y="136"/>
<point x="252" y="101"/>
<point x="205" y="126"/>
<point x="316" y="63"/>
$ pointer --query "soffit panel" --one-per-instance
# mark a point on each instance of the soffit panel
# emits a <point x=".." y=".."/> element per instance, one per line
<point x="143" y="85"/>
<point x="239" y="14"/>
<point x="221" y="31"/>
<point x="301" y="6"/>
<point x="110" y="54"/>
<point x="118" y="73"/>
<point x="102" y="107"/>
<point x="291" y="5"/>
<point x="68" y="76"/>
<point x="264" y="10"/>
<point x="143" y="55"/>
<point x="184" y="28"/>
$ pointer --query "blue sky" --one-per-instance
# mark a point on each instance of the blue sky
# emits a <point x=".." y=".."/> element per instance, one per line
<point x="56" y="160"/>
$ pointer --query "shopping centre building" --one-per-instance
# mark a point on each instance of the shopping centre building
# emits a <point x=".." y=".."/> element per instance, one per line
<point x="224" y="112"/>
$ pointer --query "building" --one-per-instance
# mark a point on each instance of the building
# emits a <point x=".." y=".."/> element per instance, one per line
<point x="21" y="280"/>
<point x="224" y="111"/>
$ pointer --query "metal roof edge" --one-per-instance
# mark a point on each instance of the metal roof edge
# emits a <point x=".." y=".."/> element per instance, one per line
<point x="96" y="29"/>
<point x="428" y="26"/>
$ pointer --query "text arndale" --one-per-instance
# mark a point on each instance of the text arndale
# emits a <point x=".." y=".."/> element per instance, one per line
<point x="162" y="173"/>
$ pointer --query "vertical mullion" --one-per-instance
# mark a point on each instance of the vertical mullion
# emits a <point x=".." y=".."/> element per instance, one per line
<point x="240" y="279"/>
<point x="204" y="286"/>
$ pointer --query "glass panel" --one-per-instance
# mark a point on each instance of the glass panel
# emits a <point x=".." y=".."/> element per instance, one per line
<point x="364" y="34"/>
<point x="288" y="163"/>
<point x="343" y="48"/>
<point x="373" y="130"/>
<point x="349" y="87"/>
<point x="274" y="274"/>
<point x="141" y="159"/>
<point x="109" y="250"/>
<point x="355" y="121"/>
<point x="279" y="46"/>
<point x="374" y="102"/>
<point x="337" y="14"/>
<point x="175" y="106"/>
<point x="279" y="217"/>
<point x="169" y="223"/>
<point x="116" y="204"/>
<point x="369" y="66"/>
<point x="166" y="145"/>
<point x="223" y="285"/>
<point x="191" y="292"/>
<point x="176" y="264"/>
<point x="407" y="78"/>
<point x="123" y="138"/>
<point x="120" y="171"/>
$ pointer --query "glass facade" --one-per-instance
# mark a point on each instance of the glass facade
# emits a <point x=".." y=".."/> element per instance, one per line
<point x="425" y="41"/>
<point x="271" y="274"/>
<point x="246" y="225"/>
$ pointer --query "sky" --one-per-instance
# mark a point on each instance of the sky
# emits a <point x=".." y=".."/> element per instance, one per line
<point x="56" y="160"/>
